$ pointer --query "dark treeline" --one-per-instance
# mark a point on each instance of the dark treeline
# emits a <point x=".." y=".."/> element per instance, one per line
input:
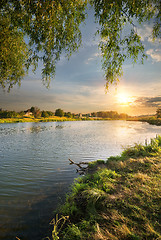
<point x="158" y="113"/>
<point x="33" y="111"/>
<point x="8" y="114"/>
<point x="37" y="113"/>
<point x="109" y="114"/>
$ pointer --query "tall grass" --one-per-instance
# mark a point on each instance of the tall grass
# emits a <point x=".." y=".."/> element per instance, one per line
<point x="32" y="119"/>
<point x="119" y="199"/>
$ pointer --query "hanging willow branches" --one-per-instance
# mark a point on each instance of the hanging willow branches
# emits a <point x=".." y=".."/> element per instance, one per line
<point x="41" y="30"/>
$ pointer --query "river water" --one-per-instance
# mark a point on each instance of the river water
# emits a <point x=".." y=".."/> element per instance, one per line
<point x="35" y="173"/>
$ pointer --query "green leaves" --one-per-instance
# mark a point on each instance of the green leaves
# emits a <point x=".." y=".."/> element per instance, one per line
<point x="119" y="38"/>
<point x="13" y="54"/>
<point x="53" y="27"/>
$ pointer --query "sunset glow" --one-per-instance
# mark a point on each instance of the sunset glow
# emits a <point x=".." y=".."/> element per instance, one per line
<point x="124" y="99"/>
<point x="79" y="84"/>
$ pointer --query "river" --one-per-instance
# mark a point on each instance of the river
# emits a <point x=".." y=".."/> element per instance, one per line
<point x="35" y="173"/>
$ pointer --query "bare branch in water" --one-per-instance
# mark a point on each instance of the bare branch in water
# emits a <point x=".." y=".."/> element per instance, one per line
<point x="81" y="169"/>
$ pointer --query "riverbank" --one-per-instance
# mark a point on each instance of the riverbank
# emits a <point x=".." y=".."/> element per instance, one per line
<point x="151" y="120"/>
<point x="49" y="119"/>
<point x="32" y="119"/>
<point x="117" y="200"/>
<point x="154" y="121"/>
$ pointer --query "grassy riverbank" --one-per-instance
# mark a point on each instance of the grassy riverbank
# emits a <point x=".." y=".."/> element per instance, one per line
<point x="151" y="120"/>
<point x="154" y="121"/>
<point x="32" y="119"/>
<point x="52" y="119"/>
<point x="117" y="200"/>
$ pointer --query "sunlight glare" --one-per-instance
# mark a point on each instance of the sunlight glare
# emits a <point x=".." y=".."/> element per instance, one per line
<point x="124" y="99"/>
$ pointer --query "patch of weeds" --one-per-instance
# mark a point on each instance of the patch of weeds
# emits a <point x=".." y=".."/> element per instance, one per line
<point x="99" y="161"/>
<point x="140" y="150"/>
<point x="95" y="164"/>
<point x="114" y="158"/>
<point x="120" y="201"/>
<point x="87" y="226"/>
<point x="136" y="151"/>
<point x="71" y="208"/>
<point x="133" y="237"/>
<point x="72" y="233"/>
<point x="78" y="187"/>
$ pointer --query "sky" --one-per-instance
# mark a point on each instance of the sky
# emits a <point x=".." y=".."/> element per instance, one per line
<point x="79" y="85"/>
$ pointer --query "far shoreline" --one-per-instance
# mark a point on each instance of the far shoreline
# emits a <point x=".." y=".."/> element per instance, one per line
<point x="151" y="120"/>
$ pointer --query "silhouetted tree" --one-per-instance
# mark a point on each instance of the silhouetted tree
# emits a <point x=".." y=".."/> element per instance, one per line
<point x="8" y="114"/>
<point x="158" y="112"/>
<point x="68" y="114"/>
<point x="46" y="114"/>
<point x="35" y="111"/>
<point x="59" y="112"/>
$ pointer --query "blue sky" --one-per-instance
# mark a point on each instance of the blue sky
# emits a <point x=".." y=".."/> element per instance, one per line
<point x="79" y="85"/>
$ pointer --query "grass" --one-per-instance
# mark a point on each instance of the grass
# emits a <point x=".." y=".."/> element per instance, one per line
<point x="117" y="200"/>
<point x="32" y="119"/>
<point x="151" y="120"/>
<point x="154" y="121"/>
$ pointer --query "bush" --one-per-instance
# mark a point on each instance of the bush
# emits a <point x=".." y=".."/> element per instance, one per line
<point x="140" y="150"/>
<point x="59" y="112"/>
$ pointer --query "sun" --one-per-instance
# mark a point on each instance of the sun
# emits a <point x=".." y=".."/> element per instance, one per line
<point x="124" y="99"/>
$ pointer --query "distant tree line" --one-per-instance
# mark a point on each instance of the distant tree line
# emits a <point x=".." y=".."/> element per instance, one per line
<point x="109" y="114"/>
<point x="60" y="113"/>
<point x="8" y="114"/>
<point x="158" y="113"/>
<point x="35" y="112"/>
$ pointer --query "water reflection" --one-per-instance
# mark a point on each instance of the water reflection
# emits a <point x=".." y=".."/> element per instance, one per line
<point x="36" y="128"/>
<point x="59" y="127"/>
<point x="35" y="172"/>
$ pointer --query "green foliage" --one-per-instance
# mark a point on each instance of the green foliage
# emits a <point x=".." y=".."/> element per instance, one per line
<point x="68" y="114"/>
<point x="158" y="112"/>
<point x="59" y="112"/>
<point x="53" y="28"/>
<point x="13" y="52"/>
<point x="115" y="158"/>
<point x="158" y="138"/>
<point x="109" y="115"/>
<point x="141" y="150"/>
<point x="35" y="111"/>
<point x="94" y="164"/>
<point x="8" y="114"/>
<point x="116" y="46"/>
<point x="120" y="201"/>
<point x="73" y="233"/>
<point x="46" y="114"/>
<point x="153" y="121"/>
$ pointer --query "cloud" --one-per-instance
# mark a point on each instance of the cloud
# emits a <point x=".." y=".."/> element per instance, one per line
<point x="145" y="33"/>
<point x="154" y="54"/>
<point x="89" y="60"/>
<point x="93" y="57"/>
<point x="149" y="101"/>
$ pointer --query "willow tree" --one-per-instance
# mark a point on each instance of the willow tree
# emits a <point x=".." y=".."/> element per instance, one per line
<point x="41" y="30"/>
